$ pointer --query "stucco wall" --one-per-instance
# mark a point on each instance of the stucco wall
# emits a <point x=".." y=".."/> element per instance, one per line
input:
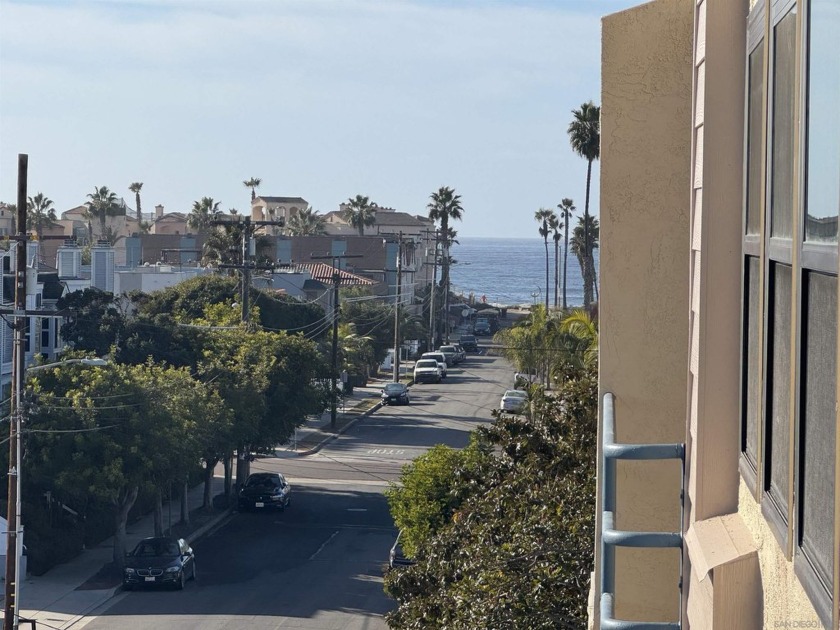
<point x="785" y="601"/>
<point x="645" y="185"/>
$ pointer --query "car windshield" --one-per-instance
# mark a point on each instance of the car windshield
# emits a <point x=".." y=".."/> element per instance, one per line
<point x="429" y="363"/>
<point x="467" y="338"/>
<point x="437" y="356"/>
<point x="515" y="393"/>
<point x="394" y="388"/>
<point x="448" y="349"/>
<point x="262" y="480"/>
<point x="157" y="548"/>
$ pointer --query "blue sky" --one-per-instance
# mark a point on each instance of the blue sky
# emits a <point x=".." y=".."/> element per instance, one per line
<point x="322" y="99"/>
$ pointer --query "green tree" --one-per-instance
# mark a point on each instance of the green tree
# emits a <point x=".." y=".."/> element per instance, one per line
<point x="306" y="222"/>
<point x="203" y="212"/>
<point x="40" y="214"/>
<point x="356" y="351"/>
<point x="554" y="224"/>
<point x="253" y="184"/>
<point x="545" y="217"/>
<point x="567" y="208"/>
<point x="103" y="204"/>
<point x="585" y="138"/>
<point x="511" y="546"/>
<point x="583" y="249"/>
<point x="105" y="435"/>
<point x="135" y="187"/>
<point x="93" y="320"/>
<point x="360" y="213"/>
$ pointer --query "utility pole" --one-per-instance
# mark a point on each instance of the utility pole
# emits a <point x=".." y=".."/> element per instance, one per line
<point x="397" y="311"/>
<point x="13" y="541"/>
<point x="336" y="278"/>
<point x="246" y="266"/>
<point x="448" y="262"/>
<point x="432" y="335"/>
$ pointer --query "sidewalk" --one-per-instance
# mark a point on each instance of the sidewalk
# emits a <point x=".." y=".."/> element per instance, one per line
<point x="66" y="593"/>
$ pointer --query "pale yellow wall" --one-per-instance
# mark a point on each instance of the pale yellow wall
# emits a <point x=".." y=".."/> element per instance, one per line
<point x="645" y="184"/>
<point x="785" y="601"/>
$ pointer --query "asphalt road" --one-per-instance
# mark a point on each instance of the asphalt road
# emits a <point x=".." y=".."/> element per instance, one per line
<point x="319" y="564"/>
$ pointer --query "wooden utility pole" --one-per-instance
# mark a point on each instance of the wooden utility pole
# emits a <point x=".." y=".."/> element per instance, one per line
<point x="432" y="335"/>
<point x="397" y="343"/>
<point x="336" y="278"/>
<point x="13" y="541"/>
<point x="246" y="265"/>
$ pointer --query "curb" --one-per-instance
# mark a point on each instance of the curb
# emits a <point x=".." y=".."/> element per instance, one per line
<point x="340" y="431"/>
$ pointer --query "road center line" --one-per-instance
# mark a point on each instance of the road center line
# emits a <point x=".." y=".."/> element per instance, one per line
<point x="326" y="542"/>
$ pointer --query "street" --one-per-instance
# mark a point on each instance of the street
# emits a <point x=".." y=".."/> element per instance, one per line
<point x="319" y="564"/>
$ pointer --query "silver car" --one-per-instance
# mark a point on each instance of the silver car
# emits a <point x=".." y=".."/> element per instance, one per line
<point x="514" y="401"/>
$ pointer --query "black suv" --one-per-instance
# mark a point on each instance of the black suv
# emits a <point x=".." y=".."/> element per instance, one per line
<point x="468" y="343"/>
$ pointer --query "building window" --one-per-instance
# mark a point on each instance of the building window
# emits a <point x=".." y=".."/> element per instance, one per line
<point x="817" y="430"/>
<point x="784" y="91"/>
<point x="777" y="408"/>
<point x="790" y="406"/>
<point x="755" y="121"/>
<point x="823" y="134"/>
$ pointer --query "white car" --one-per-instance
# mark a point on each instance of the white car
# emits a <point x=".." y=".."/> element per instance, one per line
<point x="427" y="371"/>
<point x="514" y="401"/>
<point x="437" y="356"/>
<point x="451" y="354"/>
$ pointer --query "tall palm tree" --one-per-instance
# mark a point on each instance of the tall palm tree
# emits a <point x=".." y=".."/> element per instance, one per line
<point x="585" y="257"/>
<point x="135" y="188"/>
<point x="566" y="207"/>
<point x="253" y="184"/>
<point x="306" y="222"/>
<point x="544" y="216"/>
<point x="585" y="138"/>
<point x="40" y="214"/>
<point x="360" y="213"/>
<point x="103" y="204"/>
<point x="556" y="234"/>
<point x="445" y="205"/>
<point x="202" y="213"/>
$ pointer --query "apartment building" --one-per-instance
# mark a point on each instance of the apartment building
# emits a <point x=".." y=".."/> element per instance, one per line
<point x="720" y="196"/>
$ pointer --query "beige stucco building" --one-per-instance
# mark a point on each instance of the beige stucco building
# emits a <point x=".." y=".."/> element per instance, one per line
<point x="720" y="194"/>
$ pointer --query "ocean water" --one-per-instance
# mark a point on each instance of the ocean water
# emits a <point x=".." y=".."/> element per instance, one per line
<point x="511" y="271"/>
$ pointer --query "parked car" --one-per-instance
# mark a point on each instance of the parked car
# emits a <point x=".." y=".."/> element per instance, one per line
<point x="396" y="557"/>
<point x="439" y="357"/>
<point x="395" y="394"/>
<point x="427" y="371"/>
<point x="451" y="353"/>
<point x="514" y="401"/>
<point x="461" y="352"/>
<point x="482" y="327"/>
<point x="159" y="561"/>
<point x="469" y="343"/>
<point x="265" y="491"/>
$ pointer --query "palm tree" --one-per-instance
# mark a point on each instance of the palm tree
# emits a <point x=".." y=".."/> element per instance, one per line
<point x="581" y="325"/>
<point x="135" y="188"/>
<point x="360" y="213"/>
<point x="567" y="207"/>
<point x="445" y="205"/>
<point x="40" y="214"/>
<point x="585" y="138"/>
<point x="586" y="259"/>
<point x="253" y="184"/>
<point x="306" y="222"/>
<point x="202" y="213"/>
<point x="555" y="223"/>
<point x="544" y="216"/>
<point x="103" y="204"/>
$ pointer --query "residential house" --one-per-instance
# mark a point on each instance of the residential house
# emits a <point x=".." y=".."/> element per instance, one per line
<point x="720" y="192"/>
<point x="276" y="209"/>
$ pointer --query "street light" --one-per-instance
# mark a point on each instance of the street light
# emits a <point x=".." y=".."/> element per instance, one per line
<point x="14" y="529"/>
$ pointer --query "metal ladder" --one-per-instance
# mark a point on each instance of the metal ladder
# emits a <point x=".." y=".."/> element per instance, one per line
<point x="612" y="538"/>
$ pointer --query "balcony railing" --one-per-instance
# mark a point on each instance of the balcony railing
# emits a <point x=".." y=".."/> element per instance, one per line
<point x="612" y="537"/>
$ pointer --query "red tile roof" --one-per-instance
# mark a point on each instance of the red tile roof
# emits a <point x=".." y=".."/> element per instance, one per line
<point x="324" y="273"/>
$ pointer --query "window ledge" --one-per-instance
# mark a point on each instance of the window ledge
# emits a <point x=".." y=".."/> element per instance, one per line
<point x="718" y="541"/>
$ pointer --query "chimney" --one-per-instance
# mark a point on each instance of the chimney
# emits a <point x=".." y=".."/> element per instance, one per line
<point x="158" y="211"/>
